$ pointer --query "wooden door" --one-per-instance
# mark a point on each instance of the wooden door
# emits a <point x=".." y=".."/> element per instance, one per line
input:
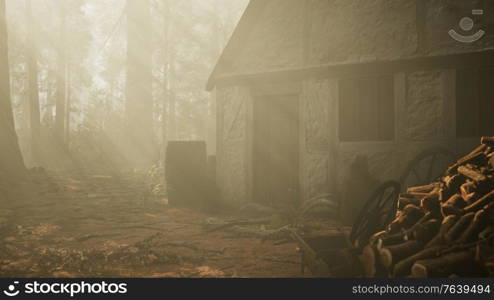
<point x="276" y="150"/>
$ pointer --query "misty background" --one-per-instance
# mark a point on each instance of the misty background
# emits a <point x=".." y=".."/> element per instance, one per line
<point x="75" y="57"/>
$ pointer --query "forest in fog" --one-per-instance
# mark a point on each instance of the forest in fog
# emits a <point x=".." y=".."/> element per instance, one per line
<point x="92" y="92"/>
<point x="96" y="84"/>
<point x="246" y="138"/>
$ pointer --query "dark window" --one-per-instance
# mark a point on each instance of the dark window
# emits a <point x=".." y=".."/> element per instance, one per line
<point x="475" y="102"/>
<point x="367" y="109"/>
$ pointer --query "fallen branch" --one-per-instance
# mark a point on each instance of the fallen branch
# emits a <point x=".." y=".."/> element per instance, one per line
<point x="238" y="223"/>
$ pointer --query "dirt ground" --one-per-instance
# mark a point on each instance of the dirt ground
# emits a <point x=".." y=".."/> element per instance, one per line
<point x="110" y="226"/>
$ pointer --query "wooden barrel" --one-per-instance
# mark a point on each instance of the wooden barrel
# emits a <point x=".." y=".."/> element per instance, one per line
<point x="186" y="173"/>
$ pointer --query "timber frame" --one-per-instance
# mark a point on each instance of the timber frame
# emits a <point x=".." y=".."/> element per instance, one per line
<point x="451" y="61"/>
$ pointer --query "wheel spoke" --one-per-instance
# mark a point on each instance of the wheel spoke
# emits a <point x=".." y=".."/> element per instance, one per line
<point x="383" y="201"/>
<point x="393" y="194"/>
<point x="388" y="197"/>
<point x="376" y="212"/>
<point x="379" y="202"/>
<point x="386" y="203"/>
<point x="360" y="228"/>
<point x="422" y="169"/>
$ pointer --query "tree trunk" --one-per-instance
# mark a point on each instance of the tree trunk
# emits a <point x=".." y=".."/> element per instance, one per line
<point x="139" y="101"/>
<point x="166" y="80"/>
<point x="217" y="46"/>
<point x="172" y="101"/>
<point x="61" y="78"/>
<point x="32" y="62"/>
<point x="11" y="162"/>
<point x="67" y="107"/>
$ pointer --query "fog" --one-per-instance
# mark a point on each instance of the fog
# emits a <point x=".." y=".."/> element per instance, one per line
<point x="237" y="138"/>
<point x="112" y="74"/>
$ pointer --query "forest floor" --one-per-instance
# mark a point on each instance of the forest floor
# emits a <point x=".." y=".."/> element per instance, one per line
<point x="109" y="226"/>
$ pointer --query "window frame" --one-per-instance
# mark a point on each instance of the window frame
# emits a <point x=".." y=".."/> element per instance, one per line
<point x="463" y="102"/>
<point x="388" y="90"/>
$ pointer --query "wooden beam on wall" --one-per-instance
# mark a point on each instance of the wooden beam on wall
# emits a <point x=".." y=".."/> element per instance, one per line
<point x="451" y="61"/>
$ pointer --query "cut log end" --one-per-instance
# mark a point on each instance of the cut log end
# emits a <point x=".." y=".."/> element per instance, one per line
<point x="368" y="261"/>
<point x="419" y="270"/>
<point x="386" y="257"/>
<point x="461" y="263"/>
<point x="487" y="140"/>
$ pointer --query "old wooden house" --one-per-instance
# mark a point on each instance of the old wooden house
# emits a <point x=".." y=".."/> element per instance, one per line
<point x="306" y="86"/>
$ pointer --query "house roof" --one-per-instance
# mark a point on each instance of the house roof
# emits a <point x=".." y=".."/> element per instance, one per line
<point x="247" y="21"/>
<point x="447" y="54"/>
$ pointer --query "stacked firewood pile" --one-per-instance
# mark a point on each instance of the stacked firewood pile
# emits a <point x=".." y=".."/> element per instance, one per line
<point x="444" y="229"/>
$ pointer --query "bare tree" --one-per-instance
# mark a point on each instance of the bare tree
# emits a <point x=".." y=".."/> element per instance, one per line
<point x="166" y="78"/>
<point x="10" y="155"/>
<point x="61" y="75"/>
<point x="32" y="64"/>
<point x="139" y="101"/>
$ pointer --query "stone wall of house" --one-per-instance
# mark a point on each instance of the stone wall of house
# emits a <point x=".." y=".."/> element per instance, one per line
<point x="424" y="111"/>
<point x="424" y="119"/>
<point x="423" y="116"/>
<point x="315" y="147"/>
<point x="293" y="33"/>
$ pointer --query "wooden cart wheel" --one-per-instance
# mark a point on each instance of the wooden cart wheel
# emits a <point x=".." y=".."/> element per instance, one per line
<point x="426" y="167"/>
<point x="378" y="211"/>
